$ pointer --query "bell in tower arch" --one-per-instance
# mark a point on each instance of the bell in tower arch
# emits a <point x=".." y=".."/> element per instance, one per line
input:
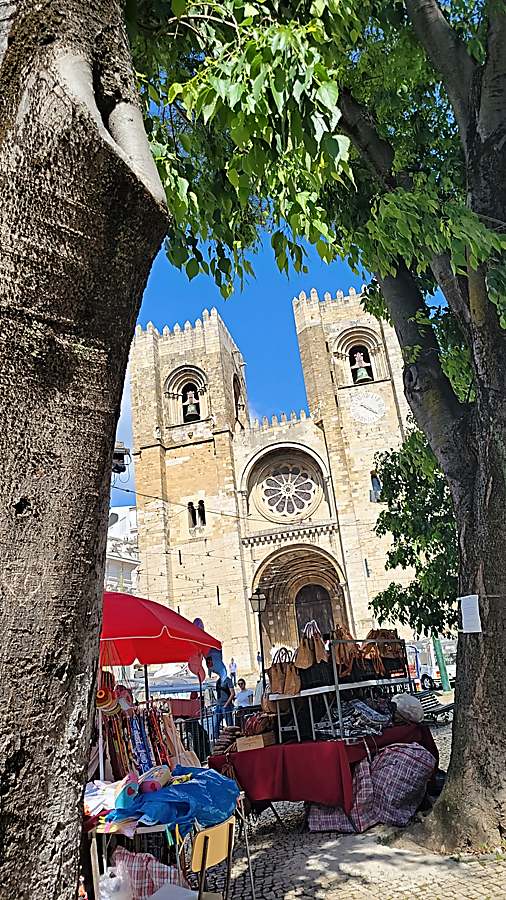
<point x="361" y="368"/>
<point x="191" y="406"/>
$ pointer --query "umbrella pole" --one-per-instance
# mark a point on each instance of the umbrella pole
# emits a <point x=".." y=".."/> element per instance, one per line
<point x="146" y="684"/>
<point x="101" y="761"/>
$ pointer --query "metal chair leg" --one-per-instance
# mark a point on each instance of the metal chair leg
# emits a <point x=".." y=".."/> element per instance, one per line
<point x="229" y="859"/>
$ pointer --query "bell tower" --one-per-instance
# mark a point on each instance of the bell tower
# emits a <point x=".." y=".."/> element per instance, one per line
<point x="352" y="367"/>
<point x="189" y="404"/>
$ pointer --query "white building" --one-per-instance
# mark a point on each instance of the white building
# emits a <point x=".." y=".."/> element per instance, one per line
<point x="122" y="560"/>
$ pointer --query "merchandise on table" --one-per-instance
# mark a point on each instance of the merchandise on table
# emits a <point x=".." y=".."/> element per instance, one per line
<point x="193" y="795"/>
<point x="226" y="739"/>
<point x="143" y="737"/>
<point x="360" y="718"/>
<point x="387" y="790"/>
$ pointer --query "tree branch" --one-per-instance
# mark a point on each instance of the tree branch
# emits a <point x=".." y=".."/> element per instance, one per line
<point x="492" y="114"/>
<point x="438" y="412"/>
<point x="428" y="391"/>
<point x="448" y="55"/>
<point x="455" y="289"/>
<point x="358" y="125"/>
<point x="126" y="134"/>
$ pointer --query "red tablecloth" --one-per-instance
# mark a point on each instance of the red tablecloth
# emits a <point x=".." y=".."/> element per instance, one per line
<point x="190" y="708"/>
<point x="316" y="772"/>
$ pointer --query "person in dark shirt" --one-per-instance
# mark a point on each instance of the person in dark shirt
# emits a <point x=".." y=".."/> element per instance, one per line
<point x="225" y="696"/>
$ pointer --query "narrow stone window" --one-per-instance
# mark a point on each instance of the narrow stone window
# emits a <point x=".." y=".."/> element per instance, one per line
<point x="192" y="515"/>
<point x="201" y="512"/>
<point x="375" y="492"/>
<point x="237" y="397"/>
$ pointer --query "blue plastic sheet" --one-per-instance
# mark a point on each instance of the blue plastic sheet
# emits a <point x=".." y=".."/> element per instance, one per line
<point x="208" y="798"/>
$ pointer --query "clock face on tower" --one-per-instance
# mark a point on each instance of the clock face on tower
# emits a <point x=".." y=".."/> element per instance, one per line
<point x="367" y="408"/>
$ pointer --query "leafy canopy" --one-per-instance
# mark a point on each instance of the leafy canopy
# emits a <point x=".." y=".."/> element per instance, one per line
<point x="420" y="520"/>
<point x="243" y="108"/>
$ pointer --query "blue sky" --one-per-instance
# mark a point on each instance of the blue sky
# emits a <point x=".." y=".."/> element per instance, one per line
<point x="260" y="320"/>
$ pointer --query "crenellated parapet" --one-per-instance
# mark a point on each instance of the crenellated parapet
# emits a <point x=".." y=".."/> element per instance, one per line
<point x="279" y="422"/>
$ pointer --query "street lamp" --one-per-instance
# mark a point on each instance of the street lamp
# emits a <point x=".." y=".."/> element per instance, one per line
<point x="258" y="602"/>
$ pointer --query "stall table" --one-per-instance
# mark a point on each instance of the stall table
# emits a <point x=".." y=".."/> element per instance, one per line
<point x="313" y="772"/>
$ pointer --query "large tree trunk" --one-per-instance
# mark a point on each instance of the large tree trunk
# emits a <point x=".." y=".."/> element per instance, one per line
<point x="471" y="812"/>
<point x="81" y="217"/>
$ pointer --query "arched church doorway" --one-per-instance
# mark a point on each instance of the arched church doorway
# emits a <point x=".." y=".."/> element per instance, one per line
<point x="313" y="603"/>
<point x="301" y="582"/>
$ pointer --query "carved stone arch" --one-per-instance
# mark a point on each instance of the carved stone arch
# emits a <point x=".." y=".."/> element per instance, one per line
<point x="286" y="573"/>
<point x="275" y="448"/>
<point x="359" y="336"/>
<point x="174" y="389"/>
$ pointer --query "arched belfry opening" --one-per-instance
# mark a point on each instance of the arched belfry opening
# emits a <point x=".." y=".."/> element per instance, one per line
<point x="360" y="364"/>
<point x="186" y="396"/>
<point x="302" y="582"/>
<point x="190" y="402"/>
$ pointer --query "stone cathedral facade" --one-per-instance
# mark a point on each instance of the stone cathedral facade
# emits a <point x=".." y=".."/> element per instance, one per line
<point x="227" y="505"/>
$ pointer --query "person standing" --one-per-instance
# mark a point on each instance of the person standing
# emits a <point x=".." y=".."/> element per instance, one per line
<point x="244" y="696"/>
<point x="232" y="671"/>
<point x="225" y="696"/>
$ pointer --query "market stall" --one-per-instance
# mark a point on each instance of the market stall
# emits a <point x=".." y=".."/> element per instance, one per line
<point x="315" y="772"/>
<point x="149" y="784"/>
<point x="328" y="708"/>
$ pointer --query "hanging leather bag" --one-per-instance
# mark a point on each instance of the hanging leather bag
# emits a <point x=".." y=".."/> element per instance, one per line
<point x="277" y="671"/>
<point x="304" y="655"/>
<point x="292" y="679"/>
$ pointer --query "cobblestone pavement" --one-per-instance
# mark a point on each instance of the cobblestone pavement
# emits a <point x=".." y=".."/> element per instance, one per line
<point x="292" y="864"/>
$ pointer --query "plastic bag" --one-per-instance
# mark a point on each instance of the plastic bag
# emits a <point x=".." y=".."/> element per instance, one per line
<point x="115" y="885"/>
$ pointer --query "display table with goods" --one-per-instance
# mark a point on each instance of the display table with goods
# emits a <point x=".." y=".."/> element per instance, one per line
<point x="320" y="693"/>
<point x="312" y="771"/>
<point x="350" y="703"/>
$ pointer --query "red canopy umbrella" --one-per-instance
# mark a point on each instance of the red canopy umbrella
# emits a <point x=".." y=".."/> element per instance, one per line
<point x="137" y="629"/>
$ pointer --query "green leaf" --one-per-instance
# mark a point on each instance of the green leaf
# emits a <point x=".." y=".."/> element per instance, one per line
<point x="174" y="91"/>
<point x="328" y="94"/>
<point x="186" y="142"/>
<point x="233" y="177"/>
<point x="258" y="84"/>
<point x="179" y="7"/>
<point x="192" y="268"/>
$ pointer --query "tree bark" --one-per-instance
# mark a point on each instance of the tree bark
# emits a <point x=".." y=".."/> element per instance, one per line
<point x="471" y="811"/>
<point x="81" y="217"/>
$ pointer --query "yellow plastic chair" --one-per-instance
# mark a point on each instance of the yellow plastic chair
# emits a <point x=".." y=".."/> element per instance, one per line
<point x="212" y="846"/>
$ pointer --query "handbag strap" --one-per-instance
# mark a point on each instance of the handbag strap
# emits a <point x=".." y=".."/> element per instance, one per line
<point x="283" y="655"/>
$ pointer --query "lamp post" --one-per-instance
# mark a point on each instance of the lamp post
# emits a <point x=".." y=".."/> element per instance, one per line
<point x="258" y="602"/>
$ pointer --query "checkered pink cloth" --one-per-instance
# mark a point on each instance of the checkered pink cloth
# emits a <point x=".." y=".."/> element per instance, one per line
<point x="147" y="874"/>
<point x="387" y="790"/>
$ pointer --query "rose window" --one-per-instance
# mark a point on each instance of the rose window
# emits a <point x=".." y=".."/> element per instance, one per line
<point x="288" y="490"/>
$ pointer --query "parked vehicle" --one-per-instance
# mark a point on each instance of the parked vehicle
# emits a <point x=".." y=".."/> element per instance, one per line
<point x="423" y="664"/>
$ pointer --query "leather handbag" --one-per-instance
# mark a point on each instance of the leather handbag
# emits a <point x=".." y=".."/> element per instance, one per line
<point x="304" y="655"/>
<point x="283" y="675"/>
<point x="277" y="671"/>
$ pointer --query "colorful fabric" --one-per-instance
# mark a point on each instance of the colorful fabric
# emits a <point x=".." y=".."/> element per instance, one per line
<point x="207" y="798"/>
<point x="387" y="790"/>
<point x="146" y="873"/>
